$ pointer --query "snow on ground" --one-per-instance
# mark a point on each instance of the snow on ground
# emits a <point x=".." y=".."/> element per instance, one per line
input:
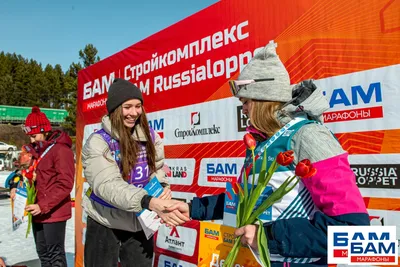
<point x="15" y="249"/>
<point x="3" y="177"/>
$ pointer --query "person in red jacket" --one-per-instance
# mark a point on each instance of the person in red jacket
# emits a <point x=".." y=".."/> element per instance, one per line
<point x="55" y="171"/>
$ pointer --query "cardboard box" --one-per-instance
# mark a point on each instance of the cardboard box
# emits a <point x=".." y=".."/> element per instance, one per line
<point x="216" y="241"/>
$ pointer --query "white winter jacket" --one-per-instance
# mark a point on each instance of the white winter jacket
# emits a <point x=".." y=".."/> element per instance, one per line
<point x="104" y="177"/>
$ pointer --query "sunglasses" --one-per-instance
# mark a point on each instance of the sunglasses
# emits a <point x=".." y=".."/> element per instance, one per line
<point x="236" y="86"/>
<point x="28" y="129"/>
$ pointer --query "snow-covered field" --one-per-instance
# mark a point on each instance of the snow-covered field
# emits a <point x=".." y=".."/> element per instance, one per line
<point x="15" y="249"/>
<point x="3" y="177"/>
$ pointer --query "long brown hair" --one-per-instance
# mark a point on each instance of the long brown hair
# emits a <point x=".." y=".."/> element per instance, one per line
<point x="263" y="116"/>
<point x="129" y="148"/>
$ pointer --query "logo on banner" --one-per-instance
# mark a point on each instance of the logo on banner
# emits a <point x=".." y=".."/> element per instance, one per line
<point x="158" y="126"/>
<point x="194" y="130"/>
<point x="377" y="176"/>
<point x="174" y="239"/>
<point x="178" y="239"/>
<point x="181" y="170"/>
<point x="222" y="172"/>
<point x="216" y="172"/>
<point x="362" y="245"/>
<point x="211" y="234"/>
<point x="174" y="232"/>
<point x="229" y="238"/>
<point x="359" y="95"/>
<point x="195" y="118"/>
<point x="242" y="120"/>
<point x="177" y="172"/>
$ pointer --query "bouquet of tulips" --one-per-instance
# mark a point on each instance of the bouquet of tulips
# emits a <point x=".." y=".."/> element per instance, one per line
<point x="245" y="210"/>
<point x="29" y="175"/>
<point x="29" y="179"/>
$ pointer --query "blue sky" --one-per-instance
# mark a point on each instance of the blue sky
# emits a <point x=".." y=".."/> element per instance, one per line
<point x="53" y="31"/>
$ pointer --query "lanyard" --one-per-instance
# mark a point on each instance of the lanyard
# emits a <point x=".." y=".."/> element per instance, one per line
<point x="269" y="143"/>
<point x="33" y="167"/>
<point x="35" y="163"/>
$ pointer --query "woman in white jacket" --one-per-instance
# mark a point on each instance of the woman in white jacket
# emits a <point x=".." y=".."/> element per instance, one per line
<point x="118" y="161"/>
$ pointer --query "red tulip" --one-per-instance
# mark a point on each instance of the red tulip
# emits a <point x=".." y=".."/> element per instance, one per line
<point x="28" y="174"/>
<point x="285" y="158"/>
<point x="305" y="169"/>
<point x="249" y="141"/>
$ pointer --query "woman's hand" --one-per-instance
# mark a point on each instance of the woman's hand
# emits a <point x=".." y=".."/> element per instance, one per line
<point x="249" y="235"/>
<point x="171" y="218"/>
<point x="178" y="206"/>
<point x="34" y="209"/>
<point x="166" y="194"/>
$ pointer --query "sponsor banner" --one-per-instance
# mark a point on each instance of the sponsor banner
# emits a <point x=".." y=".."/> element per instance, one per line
<point x="216" y="241"/>
<point x="178" y="242"/>
<point x="385" y="218"/>
<point x="363" y="100"/>
<point x="355" y="114"/>
<point x="184" y="81"/>
<point x="216" y="172"/>
<point x="377" y="175"/>
<point x="157" y="123"/>
<point x="165" y="261"/>
<point x="362" y="245"/>
<point x="198" y="123"/>
<point x="357" y="104"/>
<point x="242" y="120"/>
<point x="178" y="239"/>
<point x="181" y="171"/>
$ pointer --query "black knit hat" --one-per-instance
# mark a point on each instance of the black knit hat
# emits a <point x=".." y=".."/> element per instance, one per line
<point x="120" y="91"/>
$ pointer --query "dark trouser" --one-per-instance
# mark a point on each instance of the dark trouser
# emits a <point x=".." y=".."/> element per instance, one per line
<point x="49" y="240"/>
<point x="104" y="246"/>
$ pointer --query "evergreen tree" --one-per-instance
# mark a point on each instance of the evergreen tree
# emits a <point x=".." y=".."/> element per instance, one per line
<point x="24" y="82"/>
<point x="88" y="56"/>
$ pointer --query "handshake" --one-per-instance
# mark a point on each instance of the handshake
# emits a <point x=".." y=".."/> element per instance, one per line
<point x="172" y="212"/>
<point x="175" y="212"/>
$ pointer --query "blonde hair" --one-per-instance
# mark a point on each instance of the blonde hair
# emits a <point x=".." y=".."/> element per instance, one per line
<point x="263" y="116"/>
